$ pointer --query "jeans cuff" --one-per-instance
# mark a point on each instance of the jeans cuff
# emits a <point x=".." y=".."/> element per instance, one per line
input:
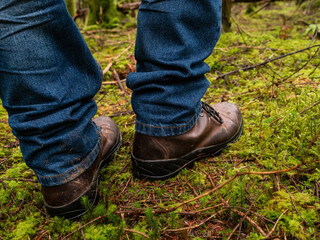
<point x="164" y="130"/>
<point x="75" y="171"/>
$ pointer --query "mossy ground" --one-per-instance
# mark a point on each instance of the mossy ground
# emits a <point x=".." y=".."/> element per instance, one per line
<point x="279" y="102"/>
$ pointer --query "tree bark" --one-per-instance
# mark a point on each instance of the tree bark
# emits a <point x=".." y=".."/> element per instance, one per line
<point x="226" y="12"/>
<point x="71" y="6"/>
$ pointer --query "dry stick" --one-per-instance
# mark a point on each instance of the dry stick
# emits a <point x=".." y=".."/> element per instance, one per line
<point x="195" y="226"/>
<point x="115" y="58"/>
<point x="134" y="231"/>
<point x="306" y="109"/>
<point x="275" y="225"/>
<point x="261" y="8"/>
<point x="265" y="62"/>
<point x="225" y="183"/>
<point x="44" y="233"/>
<point x="82" y="233"/>
<point x="249" y="209"/>
<point x="107" y="68"/>
<point x="316" y="67"/>
<point x="245" y="47"/>
<point x="258" y="215"/>
<point x="119" y="82"/>
<point x="253" y="223"/>
<point x="130" y="6"/>
<point x="88" y="223"/>
<point x="125" y="186"/>
<point x="299" y="69"/>
<point x="201" y="210"/>
<point x="114" y="82"/>
<point x="295" y="207"/>
<point x="112" y="181"/>
<point x="247" y="212"/>
<point x="301" y="112"/>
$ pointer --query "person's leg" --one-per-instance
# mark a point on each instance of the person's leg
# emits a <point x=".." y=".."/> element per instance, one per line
<point x="48" y="78"/>
<point x="174" y="38"/>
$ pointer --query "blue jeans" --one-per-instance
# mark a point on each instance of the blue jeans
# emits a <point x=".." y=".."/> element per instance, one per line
<point x="48" y="78"/>
<point x="174" y="38"/>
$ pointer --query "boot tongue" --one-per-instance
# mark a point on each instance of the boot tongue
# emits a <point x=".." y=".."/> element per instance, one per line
<point x="213" y="113"/>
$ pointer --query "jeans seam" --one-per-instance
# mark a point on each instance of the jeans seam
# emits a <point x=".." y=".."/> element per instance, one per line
<point x="171" y="127"/>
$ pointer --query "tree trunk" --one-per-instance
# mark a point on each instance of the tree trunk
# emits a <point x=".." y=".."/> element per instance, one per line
<point x="71" y="6"/>
<point x="93" y="17"/>
<point x="226" y="12"/>
<point x="101" y="11"/>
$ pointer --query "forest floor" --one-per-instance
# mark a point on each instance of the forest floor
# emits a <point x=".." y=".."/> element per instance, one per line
<point x="265" y="186"/>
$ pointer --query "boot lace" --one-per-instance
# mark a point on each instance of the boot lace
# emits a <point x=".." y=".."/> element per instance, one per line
<point x="213" y="113"/>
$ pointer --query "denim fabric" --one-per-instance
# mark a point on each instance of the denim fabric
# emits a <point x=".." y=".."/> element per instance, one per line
<point x="173" y="39"/>
<point x="48" y="78"/>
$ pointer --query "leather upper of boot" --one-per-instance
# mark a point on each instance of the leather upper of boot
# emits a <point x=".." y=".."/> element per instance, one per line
<point x="208" y="131"/>
<point x="64" y="194"/>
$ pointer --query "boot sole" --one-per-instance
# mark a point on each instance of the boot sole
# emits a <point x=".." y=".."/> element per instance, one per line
<point x="167" y="168"/>
<point x="75" y="209"/>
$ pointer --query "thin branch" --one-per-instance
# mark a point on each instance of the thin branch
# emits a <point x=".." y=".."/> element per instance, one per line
<point x="295" y="207"/>
<point x="83" y="226"/>
<point x="253" y="223"/>
<point x="134" y="231"/>
<point x="119" y="82"/>
<point x="275" y="225"/>
<point x="129" y="6"/>
<point x="265" y="62"/>
<point x="299" y="69"/>
<point x="225" y="183"/>
<point x="107" y="68"/>
<point x="121" y="171"/>
<point x="313" y="105"/>
<point x="195" y="226"/>
<point x="82" y="233"/>
<point x="117" y="57"/>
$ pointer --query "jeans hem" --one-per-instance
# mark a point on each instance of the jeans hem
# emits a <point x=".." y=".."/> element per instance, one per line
<point x="167" y="130"/>
<point x="75" y="171"/>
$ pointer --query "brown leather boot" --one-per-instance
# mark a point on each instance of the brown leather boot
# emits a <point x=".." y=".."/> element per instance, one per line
<point x="164" y="157"/>
<point x="65" y="200"/>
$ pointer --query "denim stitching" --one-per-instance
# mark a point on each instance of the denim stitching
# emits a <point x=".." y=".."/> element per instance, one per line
<point x="180" y="126"/>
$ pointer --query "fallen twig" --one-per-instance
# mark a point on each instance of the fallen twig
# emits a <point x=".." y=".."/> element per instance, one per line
<point x="223" y="184"/>
<point x="261" y="8"/>
<point x="253" y="223"/>
<point x="275" y="225"/>
<point x="295" y="207"/>
<point x="113" y="82"/>
<point x="107" y="68"/>
<point x="134" y="231"/>
<point x="313" y="105"/>
<point x="82" y="233"/>
<point x="115" y="58"/>
<point x="195" y="226"/>
<point x="301" y="112"/>
<point x="129" y="6"/>
<point x="121" y="171"/>
<point x="265" y="62"/>
<point x="119" y="82"/>
<point x="88" y="223"/>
